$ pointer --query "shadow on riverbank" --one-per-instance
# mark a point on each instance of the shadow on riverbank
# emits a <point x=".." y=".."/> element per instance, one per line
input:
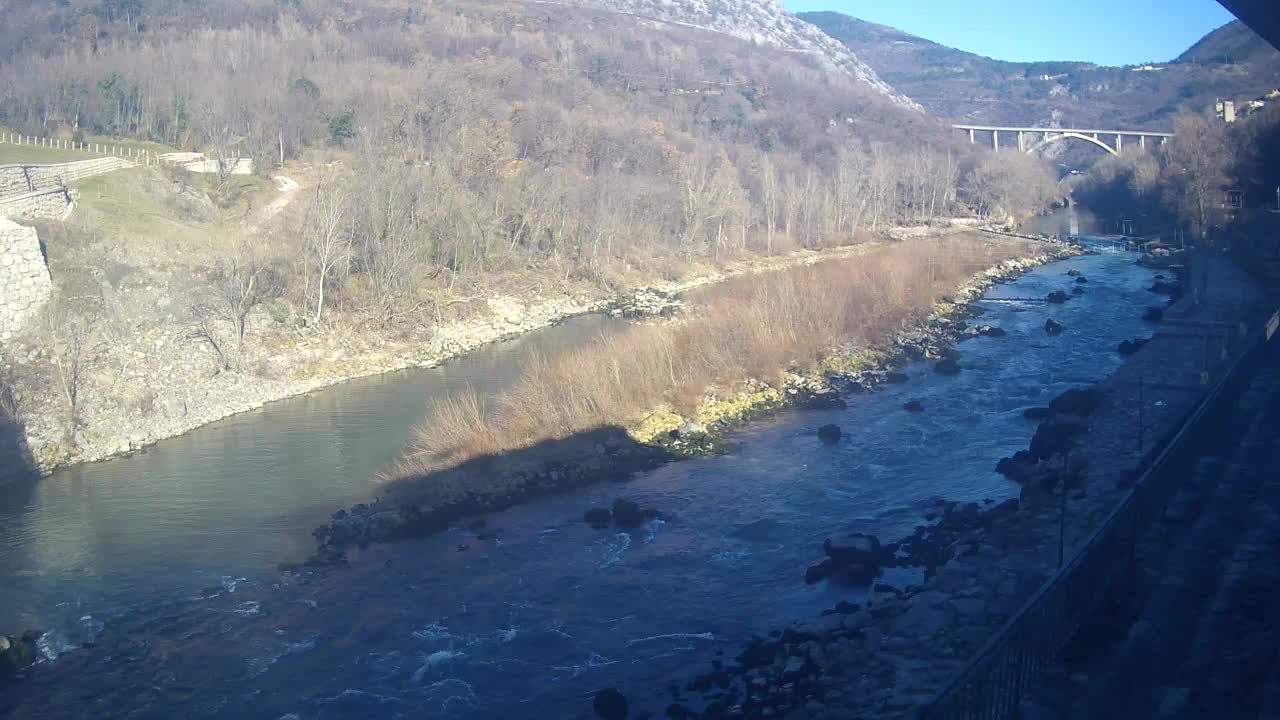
<point x="16" y="468"/>
<point x="422" y="505"/>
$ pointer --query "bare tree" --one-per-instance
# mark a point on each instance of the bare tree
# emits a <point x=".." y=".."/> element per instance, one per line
<point x="207" y="330"/>
<point x="1197" y="159"/>
<point x="326" y="242"/>
<point x="69" y="332"/>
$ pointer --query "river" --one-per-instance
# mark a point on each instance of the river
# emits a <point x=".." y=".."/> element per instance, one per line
<point x="527" y="624"/>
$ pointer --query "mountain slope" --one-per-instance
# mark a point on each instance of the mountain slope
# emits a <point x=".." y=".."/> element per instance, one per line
<point x="764" y="22"/>
<point x="1231" y="62"/>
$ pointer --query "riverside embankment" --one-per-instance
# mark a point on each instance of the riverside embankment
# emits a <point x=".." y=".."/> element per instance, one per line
<point x="534" y="608"/>
<point x="123" y="409"/>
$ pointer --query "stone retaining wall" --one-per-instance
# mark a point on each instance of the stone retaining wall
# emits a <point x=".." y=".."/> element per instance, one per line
<point x="52" y="204"/>
<point x="25" y="284"/>
<point x="21" y="179"/>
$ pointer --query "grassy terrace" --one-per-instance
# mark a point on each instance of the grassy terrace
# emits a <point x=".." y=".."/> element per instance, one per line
<point x="39" y="155"/>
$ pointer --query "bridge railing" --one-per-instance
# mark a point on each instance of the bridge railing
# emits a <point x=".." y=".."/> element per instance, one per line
<point x="993" y="683"/>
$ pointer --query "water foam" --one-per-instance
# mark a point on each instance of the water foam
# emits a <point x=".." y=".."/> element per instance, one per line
<point x="433" y="661"/>
<point x="672" y="636"/>
<point x="615" y="548"/>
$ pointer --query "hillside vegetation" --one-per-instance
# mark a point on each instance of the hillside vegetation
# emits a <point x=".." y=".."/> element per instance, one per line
<point x="1231" y="62"/>
<point x="454" y="156"/>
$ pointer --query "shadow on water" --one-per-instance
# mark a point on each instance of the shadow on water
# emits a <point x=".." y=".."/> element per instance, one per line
<point x="421" y="505"/>
<point x="17" y="472"/>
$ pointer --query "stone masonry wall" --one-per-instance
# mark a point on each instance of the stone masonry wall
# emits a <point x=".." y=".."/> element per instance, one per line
<point x="25" y="284"/>
<point x="20" y="179"/>
<point x="51" y="204"/>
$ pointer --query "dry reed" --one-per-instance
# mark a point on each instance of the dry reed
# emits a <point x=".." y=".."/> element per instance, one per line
<point x="754" y="327"/>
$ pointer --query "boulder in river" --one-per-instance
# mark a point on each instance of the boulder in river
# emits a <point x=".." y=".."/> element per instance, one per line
<point x="947" y="366"/>
<point x="1019" y="468"/>
<point x="914" y="406"/>
<point x="1054" y="436"/>
<point x="853" y="548"/>
<point x="853" y="559"/>
<point x="17" y="654"/>
<point x="1129" y="347"/>
<point x="819" y="571"/>
<point x="598" y="518"/>
<point x="610" y="704"/>
<point x="1052" y="327"/>
<point x="627" y="514"/>
<point x="1074" y="273"/>
<point x="1058" y="297"/>
<point x="829" y="434"/>
<point x="1082" y="280"/>
<point x="1077" y="401"/>
<point x="989" y="331"/>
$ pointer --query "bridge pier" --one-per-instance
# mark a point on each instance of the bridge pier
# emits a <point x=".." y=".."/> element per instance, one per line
<point x="1022" y="146"/>
<point x="995" y="140"/>
<point x="1119" y="144"/>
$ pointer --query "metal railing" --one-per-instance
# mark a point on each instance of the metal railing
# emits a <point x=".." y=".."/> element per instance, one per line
<point x="991" y="685"/>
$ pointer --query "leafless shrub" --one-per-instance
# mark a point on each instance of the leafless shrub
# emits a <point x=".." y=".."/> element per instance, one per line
<point x="70" y="333"/>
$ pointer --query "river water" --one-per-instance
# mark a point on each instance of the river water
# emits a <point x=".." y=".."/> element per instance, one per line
<point x="527" y="624"/>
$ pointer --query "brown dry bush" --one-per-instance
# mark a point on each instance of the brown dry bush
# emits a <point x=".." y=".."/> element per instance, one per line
<point x="754" y="327"/>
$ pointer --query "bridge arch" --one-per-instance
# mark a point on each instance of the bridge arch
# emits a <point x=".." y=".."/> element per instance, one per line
<point x="1072" y="135"/>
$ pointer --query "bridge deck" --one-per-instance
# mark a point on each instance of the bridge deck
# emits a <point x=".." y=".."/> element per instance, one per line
<point x="1126" y="133"/>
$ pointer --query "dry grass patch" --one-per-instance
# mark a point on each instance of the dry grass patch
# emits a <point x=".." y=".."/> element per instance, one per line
<point x="755" y="327"/>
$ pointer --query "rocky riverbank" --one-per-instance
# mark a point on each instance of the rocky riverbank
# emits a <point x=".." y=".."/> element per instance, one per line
<point x="889" y="656"/>
<point x="423" y="505"/>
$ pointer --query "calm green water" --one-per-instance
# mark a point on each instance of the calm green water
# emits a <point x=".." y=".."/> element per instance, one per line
<point x="229" y="500"/>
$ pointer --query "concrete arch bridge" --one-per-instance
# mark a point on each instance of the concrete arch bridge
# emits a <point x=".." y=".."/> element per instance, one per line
<point x="1032" y="139"/>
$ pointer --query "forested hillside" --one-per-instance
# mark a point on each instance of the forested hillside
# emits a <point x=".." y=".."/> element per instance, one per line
<point x="572" y="132"/>
<point x="1231" y="62"/>
<point x="459" y="160"/>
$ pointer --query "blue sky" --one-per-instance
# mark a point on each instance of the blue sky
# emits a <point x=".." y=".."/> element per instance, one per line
<point x="1108" y="32"/>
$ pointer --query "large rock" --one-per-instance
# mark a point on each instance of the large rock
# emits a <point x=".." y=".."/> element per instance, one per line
<point x="829" y="434"/>
<point x="609" y="704"/>
<point x="819" y="571"/>
<point x="1054" y="437"/>
<point x="1077" y="401"/>
<point x="598" y="518"/>
<point x="1052" y="327"/>
<point x="17" y="654"/>
<point x="627" y="514"/>
<point x="853" y="548"/>
<point x="1058" y="297"/>
<point x="947" y="366"/>
<point x="1129" y="347"/>
<point x="854" y="559"/>
<point x="1037" y="413"/>
<point x="1020" y="468"/>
